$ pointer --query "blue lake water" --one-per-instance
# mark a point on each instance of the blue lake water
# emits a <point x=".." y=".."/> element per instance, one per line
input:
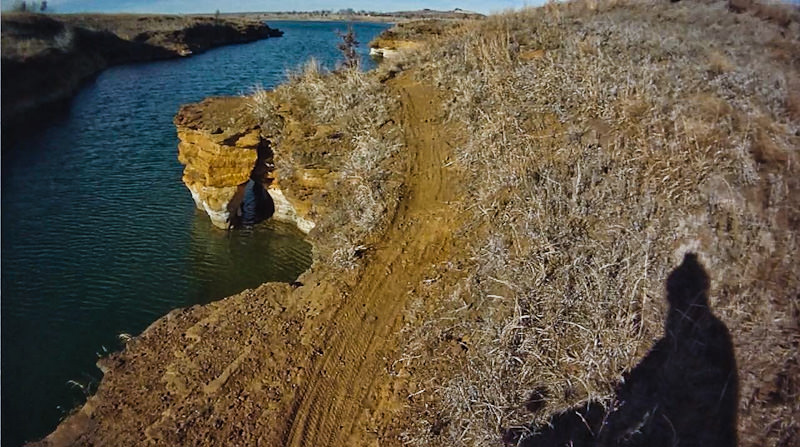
<point x="99" y="235"/>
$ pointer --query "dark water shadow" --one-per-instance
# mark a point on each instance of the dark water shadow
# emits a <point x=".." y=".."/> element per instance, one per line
<point x="256" y="206"/>
<point x="683" y="393"/>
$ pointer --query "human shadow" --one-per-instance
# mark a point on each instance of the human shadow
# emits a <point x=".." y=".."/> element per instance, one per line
<point x="683" y="393"/>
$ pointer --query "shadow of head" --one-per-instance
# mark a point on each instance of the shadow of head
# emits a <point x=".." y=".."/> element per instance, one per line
<point x="684" y="392"/>
<point x="687" y="285"/>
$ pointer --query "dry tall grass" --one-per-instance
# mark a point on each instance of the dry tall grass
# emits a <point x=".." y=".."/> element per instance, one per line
<point x="604" y="140"/>
<point x="642" y="130"/>
<point x="343" y="117"/>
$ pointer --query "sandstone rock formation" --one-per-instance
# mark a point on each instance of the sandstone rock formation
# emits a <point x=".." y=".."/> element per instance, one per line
<point x="409" y="36"/>
<point x="223" y="149"/>
<point x="390" y="49"/>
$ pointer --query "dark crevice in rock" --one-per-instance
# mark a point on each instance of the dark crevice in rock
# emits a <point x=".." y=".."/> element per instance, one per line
<point x="254" y="204"/>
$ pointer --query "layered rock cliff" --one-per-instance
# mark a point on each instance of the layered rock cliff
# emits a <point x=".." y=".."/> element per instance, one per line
<point x="224" y="148"/>
<point x="409" y="36"/>
<point x="45" y="59"/>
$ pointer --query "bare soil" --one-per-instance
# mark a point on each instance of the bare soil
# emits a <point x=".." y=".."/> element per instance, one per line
<point x="289" y="365"/>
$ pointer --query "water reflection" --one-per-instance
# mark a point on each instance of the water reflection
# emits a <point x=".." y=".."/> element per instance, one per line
<point x="225" y="262"/>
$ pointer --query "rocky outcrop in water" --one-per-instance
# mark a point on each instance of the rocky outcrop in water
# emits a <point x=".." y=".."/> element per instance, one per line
<point x="45" y="59"/>
<point x="391" y="49"/>
<point x="223" y="149"/>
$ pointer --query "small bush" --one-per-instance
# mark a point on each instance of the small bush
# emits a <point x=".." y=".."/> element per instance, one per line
<point x="349" y="47"/>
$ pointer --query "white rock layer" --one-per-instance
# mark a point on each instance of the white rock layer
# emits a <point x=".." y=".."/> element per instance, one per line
<point x="285" y="212"/>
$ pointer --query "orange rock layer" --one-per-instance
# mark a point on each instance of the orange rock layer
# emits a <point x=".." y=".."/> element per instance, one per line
<point x="222" y="147"/>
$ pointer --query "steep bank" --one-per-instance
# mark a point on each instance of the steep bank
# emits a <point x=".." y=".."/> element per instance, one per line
<point x="519" y="231"/>
<point x="409" y="36"/>
<point x="46" y="58"/>
<point x="305" y="350"/>
<point x="223" y="146"/>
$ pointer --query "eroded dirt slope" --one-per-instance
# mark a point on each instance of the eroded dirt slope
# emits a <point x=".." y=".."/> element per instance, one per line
<point x="285" y="365"/>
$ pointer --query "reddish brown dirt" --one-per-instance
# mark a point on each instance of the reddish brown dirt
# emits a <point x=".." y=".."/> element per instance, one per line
<point x="341" y="383"/>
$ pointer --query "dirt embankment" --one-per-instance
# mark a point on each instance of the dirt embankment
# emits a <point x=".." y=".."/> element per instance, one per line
<point x="526" y="185"/>
<point x="289" y="365"/>
<point x="46" y="58"/>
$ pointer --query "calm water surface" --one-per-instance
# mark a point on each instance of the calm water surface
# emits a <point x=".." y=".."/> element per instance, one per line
<point x="99" y="235"/>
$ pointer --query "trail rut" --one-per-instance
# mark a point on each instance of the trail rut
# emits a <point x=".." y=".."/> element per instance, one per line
<point x="341" y="384"/>
<point x="284" y="365"/>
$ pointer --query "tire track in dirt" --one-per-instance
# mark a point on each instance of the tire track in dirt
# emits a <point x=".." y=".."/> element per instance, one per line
<point x="339" y="392"/>
<point x="275" y="366"/>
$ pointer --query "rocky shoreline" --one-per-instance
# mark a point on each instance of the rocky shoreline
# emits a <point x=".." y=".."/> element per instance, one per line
<point x="406" y="37"/>
<point x="47" y="58"/>
<point x="224" y="144"/>
<point x="224" y="148"/>
<point x="271" y="340"/>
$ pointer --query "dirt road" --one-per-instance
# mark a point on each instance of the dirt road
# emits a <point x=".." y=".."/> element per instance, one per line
<point x="344" y="380"/>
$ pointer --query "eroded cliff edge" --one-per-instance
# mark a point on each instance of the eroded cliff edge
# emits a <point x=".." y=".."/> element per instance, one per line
<point x="46" y="58"/>
<point x="256" y="363"/>
<point x="517" y="245"/>
<point x="406" y="37"/>
<point x="225" y="149"/>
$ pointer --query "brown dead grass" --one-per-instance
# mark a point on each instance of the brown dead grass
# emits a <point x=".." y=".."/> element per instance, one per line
<point x="339" y="122"/>
<point x="780" y="13"/>
<point x="602" y="140"/>
<point x="644" y="130"/>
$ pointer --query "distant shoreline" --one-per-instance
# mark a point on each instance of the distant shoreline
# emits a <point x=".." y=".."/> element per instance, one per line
<point x="46" y="58"/>
<point x="360" y="19"/>
<point x="388" y="17"/>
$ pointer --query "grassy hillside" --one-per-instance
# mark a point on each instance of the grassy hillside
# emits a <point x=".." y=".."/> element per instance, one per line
<point x="597" y="142"/>
<point x="602" y="141"/>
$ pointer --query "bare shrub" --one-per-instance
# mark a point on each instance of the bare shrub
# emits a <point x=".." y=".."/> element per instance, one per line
<point x="348" y="47"/>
